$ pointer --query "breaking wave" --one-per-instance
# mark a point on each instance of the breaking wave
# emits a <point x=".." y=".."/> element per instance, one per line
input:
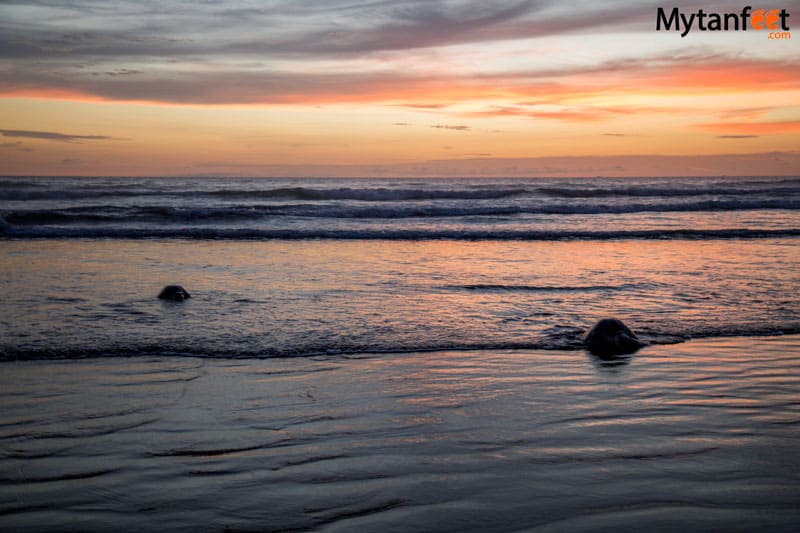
<point x="203" y="233"/>
<point x="161" y="213"/>
<point x="562" y="338"/>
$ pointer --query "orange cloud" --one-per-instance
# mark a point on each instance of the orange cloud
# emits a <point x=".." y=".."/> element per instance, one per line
<point x="659" y="76"/>
<point x="731" y="76"/>
<point x="570" y="114"/>
<point x="753" y="128"/>
<point x="748" y="113"/>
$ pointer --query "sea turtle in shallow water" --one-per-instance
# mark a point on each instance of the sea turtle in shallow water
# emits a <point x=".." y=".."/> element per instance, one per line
<point x="611" y="337"/>
<point x="174" y="292"/>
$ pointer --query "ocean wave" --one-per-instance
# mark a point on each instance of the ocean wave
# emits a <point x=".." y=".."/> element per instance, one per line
<point x="565" y="339"/>
<point x="157" y="213"/>
<point x="204" y="233"/>
<point x="81" y="194"/>
<point x="489" y="287"/>
<point x="19" y="190"/>
<point x="371" y="194"/>
<point x="772" y="181"/>
<point x="18" y="183"/>
<point x="666" y="192"/>
<point x="57" y="216"/>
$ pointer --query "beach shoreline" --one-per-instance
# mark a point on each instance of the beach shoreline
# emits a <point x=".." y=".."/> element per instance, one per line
<point x="694" y="435"/>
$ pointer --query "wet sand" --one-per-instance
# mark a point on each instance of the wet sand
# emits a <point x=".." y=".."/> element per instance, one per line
<point x="697" y="436"/>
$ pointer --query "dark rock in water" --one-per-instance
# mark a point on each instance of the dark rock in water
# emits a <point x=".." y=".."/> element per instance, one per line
<point x="611" y="337"/>
<point x="174" y="292"/>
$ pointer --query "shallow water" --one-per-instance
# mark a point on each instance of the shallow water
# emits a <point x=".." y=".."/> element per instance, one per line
<point x="698" y="436"/>
<point x="279" y="298"/>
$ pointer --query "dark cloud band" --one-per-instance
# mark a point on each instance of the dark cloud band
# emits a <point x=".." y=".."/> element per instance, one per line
<point x="54" y="136"/>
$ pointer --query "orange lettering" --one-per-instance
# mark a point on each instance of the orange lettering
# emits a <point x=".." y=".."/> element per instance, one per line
<point x="772" y="19"/>
<point x="757" y="19"/>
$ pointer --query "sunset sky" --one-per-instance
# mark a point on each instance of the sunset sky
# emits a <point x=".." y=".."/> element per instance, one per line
<point x="415" y="87"/>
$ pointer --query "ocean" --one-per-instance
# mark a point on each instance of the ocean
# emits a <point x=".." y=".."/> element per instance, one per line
<point x="398" y="355"/>
<point x="282" y="268"/>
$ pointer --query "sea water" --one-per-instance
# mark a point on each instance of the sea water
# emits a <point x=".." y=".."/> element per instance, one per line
<point x="378" y="355"/>
<point x="306" y="267"/>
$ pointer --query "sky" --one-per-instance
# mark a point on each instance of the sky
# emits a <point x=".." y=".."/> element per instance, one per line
<point x="392" y="88"/>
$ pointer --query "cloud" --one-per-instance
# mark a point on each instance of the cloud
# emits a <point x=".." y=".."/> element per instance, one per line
<point x="614" y="135"/>
<point x="737" y="136"/>
<point x="128" y="29"/>
<point x="401" y="124"/>
<point x="419" y="105"/>
<point x="573" y="115"/>
<point x="16" y="146"/>
<point x="215" y="78"/>
<point x="118" y="72"/>
<point x="749" y="129"/>
<point x="380" y="51"/>
<point x="581" y="113"/>
<point x="302" y="52"/>
<point x="748" y="113"/>
<point x="55" y="136"/>
<point x="451" y="127"/>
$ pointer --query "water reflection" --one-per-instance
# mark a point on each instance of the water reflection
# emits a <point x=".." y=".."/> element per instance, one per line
<point x="609" y="363"/>
<point x="491" y="440"/>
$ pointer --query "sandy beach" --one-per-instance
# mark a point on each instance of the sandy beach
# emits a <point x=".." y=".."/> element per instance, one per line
<point x="696" y="436"/>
